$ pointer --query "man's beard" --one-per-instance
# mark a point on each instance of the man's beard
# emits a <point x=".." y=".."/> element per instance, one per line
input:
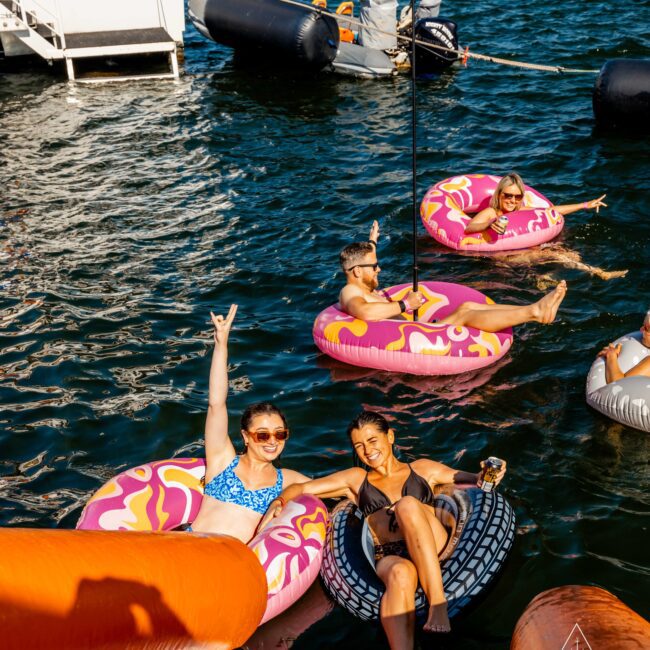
<point x="372" y="284"/>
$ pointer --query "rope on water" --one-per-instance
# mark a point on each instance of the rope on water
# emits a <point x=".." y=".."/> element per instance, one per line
<point x="463" y="54"/>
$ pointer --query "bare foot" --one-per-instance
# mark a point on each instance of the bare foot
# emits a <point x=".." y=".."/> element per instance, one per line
<point x="544" y="310"/>
<point x="438" y="620"/>
<point x="609" y="275"/>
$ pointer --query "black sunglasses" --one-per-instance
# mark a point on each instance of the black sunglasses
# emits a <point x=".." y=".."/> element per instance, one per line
<point x="516" y="197"/>
<point x="374" y="266"/>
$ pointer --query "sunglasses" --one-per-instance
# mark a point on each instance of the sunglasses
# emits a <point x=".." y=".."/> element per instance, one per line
<point x="374" y="266"/>
<point x="516" y="197"/>
<point x="263" y="435"/>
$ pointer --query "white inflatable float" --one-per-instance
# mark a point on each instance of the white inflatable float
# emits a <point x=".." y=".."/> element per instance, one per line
<point x="627" y="400"/>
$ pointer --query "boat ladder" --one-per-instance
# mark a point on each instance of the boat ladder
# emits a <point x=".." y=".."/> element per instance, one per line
<point x="42" y="32"/>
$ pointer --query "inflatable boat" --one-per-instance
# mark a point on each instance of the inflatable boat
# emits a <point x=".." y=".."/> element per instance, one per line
<point x="302" y="37"/>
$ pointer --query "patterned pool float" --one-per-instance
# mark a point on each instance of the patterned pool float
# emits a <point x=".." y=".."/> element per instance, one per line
<point x="418" y="348"/>
<point x="445" y="207"/>
<point x="627" y="400"/>
<point x="166" y="494"/>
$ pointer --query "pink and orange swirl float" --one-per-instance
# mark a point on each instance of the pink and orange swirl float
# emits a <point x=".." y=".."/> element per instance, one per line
<point x="446" y="209"/>
<point x="420" y="348"/>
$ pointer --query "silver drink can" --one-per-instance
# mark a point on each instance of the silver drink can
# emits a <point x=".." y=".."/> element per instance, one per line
<point x="489" y="475"/>
<point x="503" y="221"/>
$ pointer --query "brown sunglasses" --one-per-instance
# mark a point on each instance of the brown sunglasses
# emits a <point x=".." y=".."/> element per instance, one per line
<point x="263" y="435"/>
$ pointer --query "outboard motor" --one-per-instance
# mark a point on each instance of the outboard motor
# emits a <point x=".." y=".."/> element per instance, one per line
<point x="621" y="95"/>
<point x="440" y="32"/>
<point x="269" y="31"/>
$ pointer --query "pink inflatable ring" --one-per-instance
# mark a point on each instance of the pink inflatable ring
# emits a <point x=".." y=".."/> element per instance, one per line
<point x="422" y="348"/>
<point x="445" y="207"/>
<point x="166" y="494"/>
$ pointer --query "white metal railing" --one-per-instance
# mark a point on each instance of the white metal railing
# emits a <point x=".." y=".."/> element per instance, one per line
<point x="161" y="14"/>
<point x="44" y="17"/>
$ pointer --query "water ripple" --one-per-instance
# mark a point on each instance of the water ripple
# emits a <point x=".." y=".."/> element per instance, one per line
<point x="129" y="213"/>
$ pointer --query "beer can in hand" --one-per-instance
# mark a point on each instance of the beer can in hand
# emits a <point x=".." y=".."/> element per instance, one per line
<point x="501" y="221"/>
<point x="489" y="474"/>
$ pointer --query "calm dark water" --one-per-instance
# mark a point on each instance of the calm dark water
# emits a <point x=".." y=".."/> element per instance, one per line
<point x="129" y="212"/>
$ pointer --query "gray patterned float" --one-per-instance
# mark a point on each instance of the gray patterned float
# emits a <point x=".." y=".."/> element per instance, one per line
<point x="627" y="400"/>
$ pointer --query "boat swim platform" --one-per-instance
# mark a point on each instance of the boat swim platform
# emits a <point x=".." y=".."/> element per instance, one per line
<point x="121" y="43"/>
<point x="30" y="28"/>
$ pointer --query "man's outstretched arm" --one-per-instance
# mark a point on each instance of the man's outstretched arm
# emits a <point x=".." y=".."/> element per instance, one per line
<point x="357" y="306"/>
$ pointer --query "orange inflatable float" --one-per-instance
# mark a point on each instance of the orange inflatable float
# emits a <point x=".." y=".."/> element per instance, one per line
<point x="587" y="616"/>
<point x="98" y="589"/>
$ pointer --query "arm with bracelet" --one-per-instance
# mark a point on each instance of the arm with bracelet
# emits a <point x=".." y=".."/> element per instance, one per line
<point x="594" y="204"/>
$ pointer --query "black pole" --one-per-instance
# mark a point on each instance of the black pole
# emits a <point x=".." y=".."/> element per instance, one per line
<point x="414" y="156"/>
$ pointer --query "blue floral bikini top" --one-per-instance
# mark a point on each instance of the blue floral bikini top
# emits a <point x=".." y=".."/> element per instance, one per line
<point x="227" y="487"/>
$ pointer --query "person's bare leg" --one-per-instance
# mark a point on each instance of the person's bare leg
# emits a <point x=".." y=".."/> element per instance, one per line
<point x="424" y="535"/>
<point x="568" y="258"/>
<point x="482" y="306"/>
<point x="397" y="608"/>
<point x="495" y="319"/>
<point x="572" y="260"/>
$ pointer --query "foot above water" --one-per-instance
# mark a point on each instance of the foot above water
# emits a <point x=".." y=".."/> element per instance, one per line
<point x="545" y="310"/>
<point x="438" y="620"/>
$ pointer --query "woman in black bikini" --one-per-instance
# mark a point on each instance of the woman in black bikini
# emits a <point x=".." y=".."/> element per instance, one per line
<point x="396" y="499"/>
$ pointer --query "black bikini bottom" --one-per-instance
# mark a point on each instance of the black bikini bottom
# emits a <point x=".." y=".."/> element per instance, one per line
<point x="391" y="548"/>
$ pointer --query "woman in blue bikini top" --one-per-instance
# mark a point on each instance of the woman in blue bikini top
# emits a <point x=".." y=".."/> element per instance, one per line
<point x="397" y="500"/>
<point x="239" y="489"/>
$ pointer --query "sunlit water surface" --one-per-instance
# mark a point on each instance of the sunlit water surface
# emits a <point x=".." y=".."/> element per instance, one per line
<point x="130" y="211"/>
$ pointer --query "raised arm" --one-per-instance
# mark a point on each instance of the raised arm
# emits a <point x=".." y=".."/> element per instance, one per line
<point x="373" y="237"/>
<point x="594" y="204"/>
<point x="481" y="221"/>
<point x="217" y="443"/>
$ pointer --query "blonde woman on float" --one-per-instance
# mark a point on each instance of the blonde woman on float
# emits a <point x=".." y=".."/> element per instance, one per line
<point x="508" y="198"/>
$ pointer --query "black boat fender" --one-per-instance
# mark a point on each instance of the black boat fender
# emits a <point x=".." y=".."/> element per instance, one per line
<point x="621" y="96"/>
<point x="292" y="35"/>
<point x="481" y="533"/>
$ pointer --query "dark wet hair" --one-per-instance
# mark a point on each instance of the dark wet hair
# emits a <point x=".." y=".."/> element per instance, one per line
<point x="369" y="417"/>
<point x="364" y="418"/>
<point x="261" y="408"/>
<point x="354" y="253"/>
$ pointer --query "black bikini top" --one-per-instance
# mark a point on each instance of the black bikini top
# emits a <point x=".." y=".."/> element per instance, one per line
<point x="372" y="499"/>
